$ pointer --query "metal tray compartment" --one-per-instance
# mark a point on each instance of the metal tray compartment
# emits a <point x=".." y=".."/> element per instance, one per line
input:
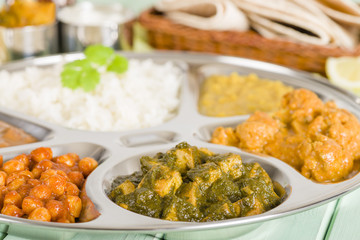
<point x="119" y="152"/>
<point x="38" y="131"/>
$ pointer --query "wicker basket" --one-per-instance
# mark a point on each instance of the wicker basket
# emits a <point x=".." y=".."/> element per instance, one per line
<point x="164" y="34"/>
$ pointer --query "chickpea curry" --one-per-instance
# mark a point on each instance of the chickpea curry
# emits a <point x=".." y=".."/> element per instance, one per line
<point x="42" y="187"/>
<point x="193" y="184"/>
<point x="318" y="139"/>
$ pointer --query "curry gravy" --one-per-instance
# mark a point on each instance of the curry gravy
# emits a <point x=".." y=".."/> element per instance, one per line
<point x="12" y="136"/>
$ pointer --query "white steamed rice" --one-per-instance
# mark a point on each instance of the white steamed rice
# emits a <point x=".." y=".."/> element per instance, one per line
<point x="146" y="95"/>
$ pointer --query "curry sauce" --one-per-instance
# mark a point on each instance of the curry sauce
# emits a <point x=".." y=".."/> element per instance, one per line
<point x="12" y="136"/>
<point x="318" y="139"/>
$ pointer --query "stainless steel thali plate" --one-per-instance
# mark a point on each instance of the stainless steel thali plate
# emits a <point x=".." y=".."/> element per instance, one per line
<point x="118" y="152"/>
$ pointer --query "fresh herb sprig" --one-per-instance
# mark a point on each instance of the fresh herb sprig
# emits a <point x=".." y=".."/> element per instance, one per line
<point x="84" y="73"/>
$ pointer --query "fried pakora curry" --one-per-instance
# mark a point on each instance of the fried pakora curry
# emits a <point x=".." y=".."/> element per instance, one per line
<point x="194" y="184"/>
<point x="318" y="139"/>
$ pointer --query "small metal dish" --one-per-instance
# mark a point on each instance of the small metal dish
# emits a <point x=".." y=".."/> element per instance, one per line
<point x="28" y="41"/>
<point x="85" y="24"/>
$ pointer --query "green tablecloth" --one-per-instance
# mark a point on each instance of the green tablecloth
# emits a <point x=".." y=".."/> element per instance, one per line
<point x="332" y="221"/>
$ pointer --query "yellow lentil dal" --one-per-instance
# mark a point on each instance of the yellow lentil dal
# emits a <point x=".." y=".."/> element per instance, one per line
<point x="222" y="95"/>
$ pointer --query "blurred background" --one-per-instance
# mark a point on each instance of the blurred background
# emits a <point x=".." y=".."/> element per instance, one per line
<point x="135" y="5"/>
<point x="125" y="25"/>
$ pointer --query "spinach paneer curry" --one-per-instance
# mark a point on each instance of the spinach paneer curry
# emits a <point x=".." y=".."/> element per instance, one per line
<point x="194" y="184"/>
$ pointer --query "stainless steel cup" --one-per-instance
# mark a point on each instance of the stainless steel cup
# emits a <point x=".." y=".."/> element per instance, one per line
<point x="28" y="41"/>
<point x="85" y="24"/>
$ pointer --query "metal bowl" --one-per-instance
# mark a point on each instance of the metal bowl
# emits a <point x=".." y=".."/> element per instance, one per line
<point x="29" y="41"/>
<point x="85" y="24"/>
<point x="118" y="152"/>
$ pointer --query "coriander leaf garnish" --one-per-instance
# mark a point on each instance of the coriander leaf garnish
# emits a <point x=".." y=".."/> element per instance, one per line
<point x="84" y="73"/>
<point x="119" y="64"/>
<point x="78" y="64"/>
<point x="80" y="73"/>
<point x="70" y="78"/>
<point x="89" y="79"/>
<point x="98" y="54"/>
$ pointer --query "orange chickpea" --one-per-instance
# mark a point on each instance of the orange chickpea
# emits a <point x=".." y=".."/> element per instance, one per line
<point x="62" y="173"/>
<point x="33" y="182"/>
<point x="87" y="165"/>
<point x="41" y="167"/>
<point x="41" y="153"/>
<point x="13" y="198"/>
<point x="45" y="164"/>
<point x="57" y="184"/>
<point x="63" y="220"/>
<point x="3" y="176"/>
<point x="36" y="172"/>
<point x="26" y="174"/>
<point x="71" y="219"/>
<point x="74" y="156"/>
<point x="24" y="190"/>
<point x="41" y="192"/>
<point x="56" y="209"/>
<point x="51" y="172"/>
<point x="11" y="177"/>
<point x="62" y="198"/>
<point x="67" y="219"/>
<point x="12" y="210"/>
<point x="65" y="159"/>
<point x="77" y="178"/>
<point x="1" y="161"/>
<point x="13" y="166"/>
<point x="74" y="205"/>
<point x="23" y="158"/>
<point x="71" y="189"/>
<point x="75" y="169"/>
<point x="15" y="184"/>
<point x="47" y="174"/>
<point x="40" y="214"/>
<point x="3" y="190"/>
<point x="61" y="167"/>
<point x="30" y="203"/>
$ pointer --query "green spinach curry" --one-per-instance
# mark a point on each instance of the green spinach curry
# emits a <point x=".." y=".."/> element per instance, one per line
<point x="194" y="184"/>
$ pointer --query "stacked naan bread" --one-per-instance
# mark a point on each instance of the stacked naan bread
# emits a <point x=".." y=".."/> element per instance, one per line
<point x="320" y="22"/>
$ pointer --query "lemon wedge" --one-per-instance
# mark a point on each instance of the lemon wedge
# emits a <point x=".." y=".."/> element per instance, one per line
<point x="344" y="72"/>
